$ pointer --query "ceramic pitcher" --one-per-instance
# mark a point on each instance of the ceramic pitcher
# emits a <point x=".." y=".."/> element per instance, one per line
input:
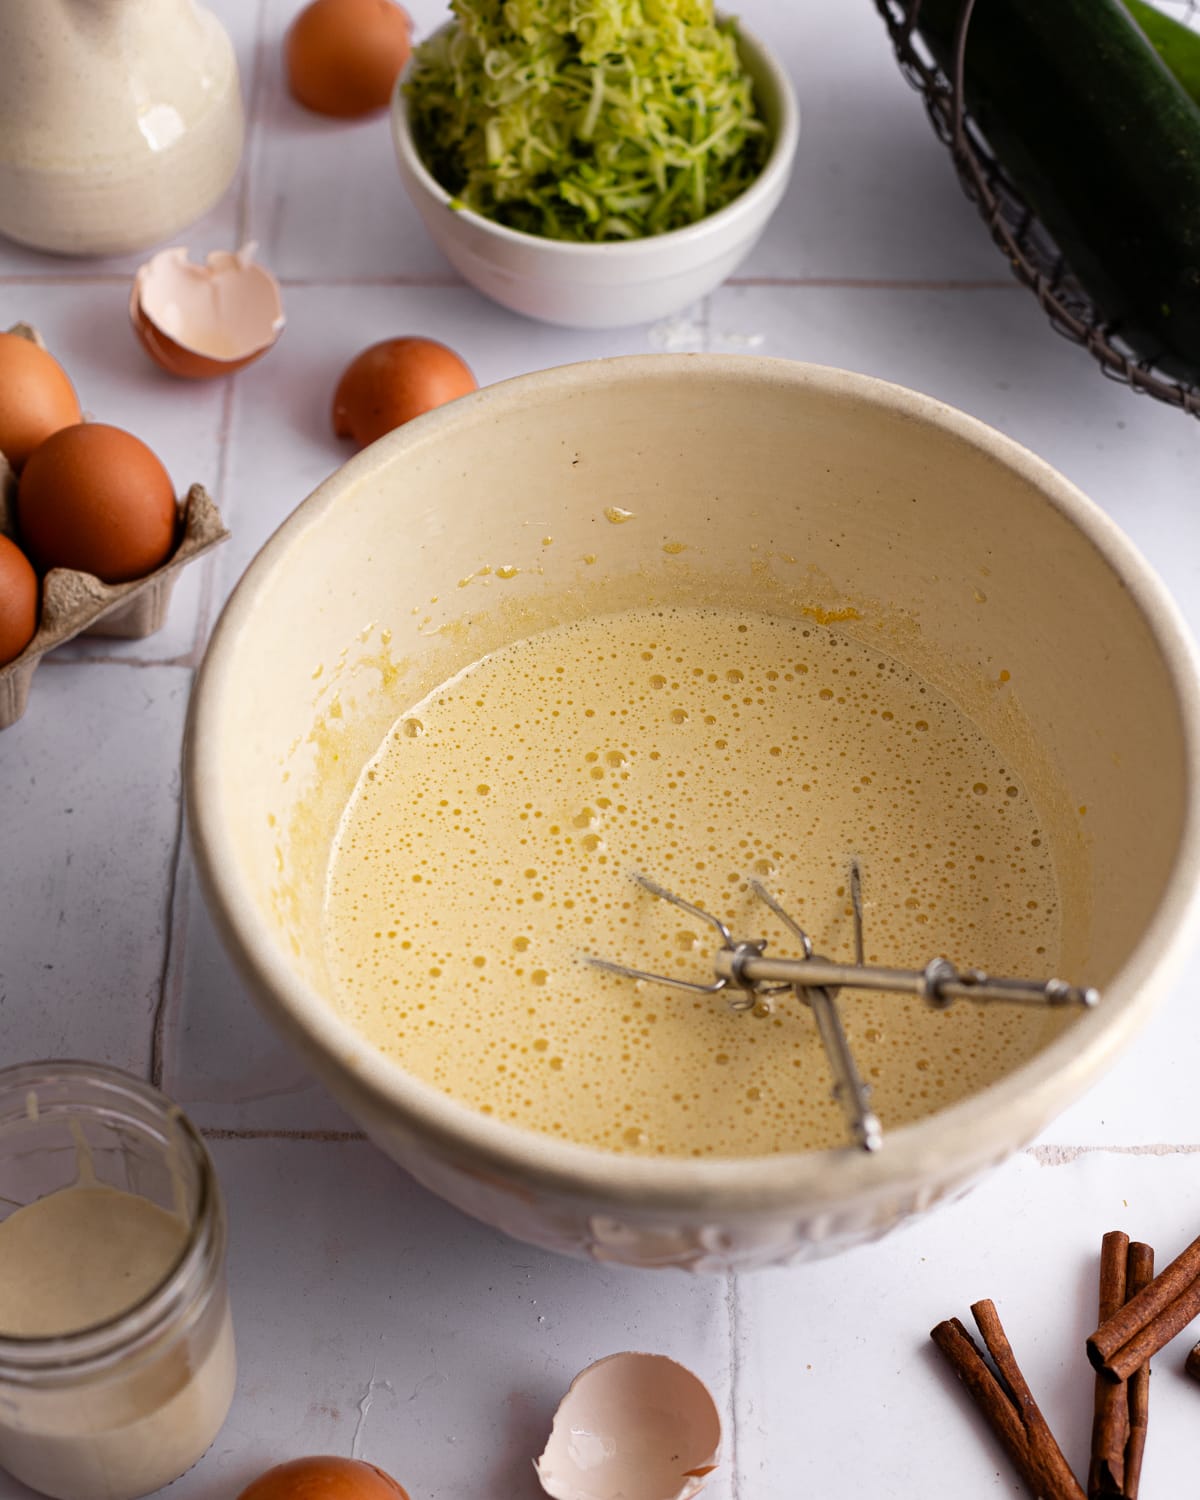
<point x="120" y="121"/>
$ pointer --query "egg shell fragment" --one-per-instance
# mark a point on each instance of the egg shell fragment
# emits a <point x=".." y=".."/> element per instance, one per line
<point x="632" y="1427"/>
<point x="198" y="320"/>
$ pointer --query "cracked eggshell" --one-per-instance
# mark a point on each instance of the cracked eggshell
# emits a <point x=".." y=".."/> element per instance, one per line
<point x="632" y="1427"/>
<point x="198" y="321"/>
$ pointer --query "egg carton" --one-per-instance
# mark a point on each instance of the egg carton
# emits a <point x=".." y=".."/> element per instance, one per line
<point x="78" y="604"/>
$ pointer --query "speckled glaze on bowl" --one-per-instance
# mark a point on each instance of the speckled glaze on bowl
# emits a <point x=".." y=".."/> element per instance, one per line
<point x="961" y="552"/>
<point x="610" y="285"/>
<point x="121" y="123"/>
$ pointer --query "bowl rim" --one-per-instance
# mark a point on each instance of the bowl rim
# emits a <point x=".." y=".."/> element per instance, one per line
<point x="761" y="192"/>
<point x="958" y="1141"/>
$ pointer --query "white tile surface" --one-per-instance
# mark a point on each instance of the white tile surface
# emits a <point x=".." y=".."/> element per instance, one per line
<point x="873" y="195"/>
<point x="309" y="209"/>
<point x="89" y="805"/>
<point x="372" y="1319"/>
<point x="219" y="1059"/>
<point x="464" y="1386"/>
<point x="839" y="1391"/>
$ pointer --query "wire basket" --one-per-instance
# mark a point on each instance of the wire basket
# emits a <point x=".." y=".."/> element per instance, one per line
<point x="1031" y="252"/>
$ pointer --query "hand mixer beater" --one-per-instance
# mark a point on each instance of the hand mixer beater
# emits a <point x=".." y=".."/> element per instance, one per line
<point x="742" y="966"/>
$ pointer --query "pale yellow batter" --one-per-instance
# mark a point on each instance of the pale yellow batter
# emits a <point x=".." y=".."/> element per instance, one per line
<point x="489" y="843"/>
<point x="81" y="1256"/>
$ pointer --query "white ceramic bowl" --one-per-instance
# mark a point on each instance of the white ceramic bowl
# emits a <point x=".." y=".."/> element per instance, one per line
<point x="610" y="285"/>
<point x="804" y="485"/>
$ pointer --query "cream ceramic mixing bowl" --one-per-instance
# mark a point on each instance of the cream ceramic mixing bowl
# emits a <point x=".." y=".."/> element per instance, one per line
<point x="616" y="284"/>
<point x="793" y="487"/>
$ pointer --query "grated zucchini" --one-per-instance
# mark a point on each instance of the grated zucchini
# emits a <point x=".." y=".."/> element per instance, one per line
<point x="587" y="120"/>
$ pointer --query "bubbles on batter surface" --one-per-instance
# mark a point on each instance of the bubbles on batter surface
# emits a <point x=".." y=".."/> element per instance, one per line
<point x="494" y="845"/>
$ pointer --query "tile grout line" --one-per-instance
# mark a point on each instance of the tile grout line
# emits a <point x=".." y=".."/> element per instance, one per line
<point x="1051" y="1156"/>
<point x="731" y="1305"/>
<point x="172" y="973"/>
<point x="1064" y="1156"/>
<point x="882" y="284"/>
<point x="187" y="660"/>
<point x="208" y="585"/>
<point x="268" y="1133"/>
<point x="174" y="938"/>
<point x="67" y="278"/>
<point x="442" y="280"/>
<point x="420" y="279"/>
<point x="255" y="96"/>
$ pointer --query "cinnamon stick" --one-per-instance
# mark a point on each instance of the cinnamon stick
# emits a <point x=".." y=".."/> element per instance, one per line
<point x="1139" y="1273"/>
<point x="1192" y="1365"/>
<point x="1006" y="1403"/>
<point x="962" y="1352"/>
<point x="1151" y="1319"/>
<point x="1110" y="1413"/>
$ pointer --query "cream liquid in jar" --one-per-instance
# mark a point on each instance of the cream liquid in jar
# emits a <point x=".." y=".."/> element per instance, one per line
<point x="117" y="1361"/>
<point x="488" y="846"/>
<point x="76" y="1259"/>
<point x="81" y="1256"/>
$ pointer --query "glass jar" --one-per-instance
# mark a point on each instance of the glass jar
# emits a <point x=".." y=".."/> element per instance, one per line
<point x="126" y="1405"/>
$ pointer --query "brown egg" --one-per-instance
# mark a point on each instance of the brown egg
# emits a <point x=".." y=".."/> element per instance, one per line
<point x="343" y="56"/>
<point x="18" y="601"/>
<point x="36" y="398"/>
<point x="95" y="498"/>
<point x="393" y="382"/>
<point x="324" y="1479"/>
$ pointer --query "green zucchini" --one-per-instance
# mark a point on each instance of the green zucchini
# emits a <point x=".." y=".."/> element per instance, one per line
<point x="1104" y="144"/>
<point x="1178" y="45"/>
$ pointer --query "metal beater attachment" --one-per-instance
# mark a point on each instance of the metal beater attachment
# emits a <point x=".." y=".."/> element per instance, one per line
<point x="741" y="964"/>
